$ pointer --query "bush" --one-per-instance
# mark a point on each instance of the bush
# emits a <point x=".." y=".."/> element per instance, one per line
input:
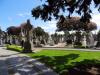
<point x="78" y="46"/>
<point x="14" y="48"/>
<point x="78" y="43"/>
<point x="69" y="41"/>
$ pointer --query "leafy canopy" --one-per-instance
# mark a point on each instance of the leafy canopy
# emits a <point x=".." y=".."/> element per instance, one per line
<point x="74" y="23"/>
<point x="52" y="8"/>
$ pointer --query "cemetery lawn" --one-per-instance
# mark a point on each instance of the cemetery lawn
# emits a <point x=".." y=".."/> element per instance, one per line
<point x="63" y="60"/>
<point x="60" y="60"/>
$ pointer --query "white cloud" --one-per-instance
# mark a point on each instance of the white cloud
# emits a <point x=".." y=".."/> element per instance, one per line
<point x="50" y="26"/>
<point x="96" y="19"/>
<point x="23" y="14"/>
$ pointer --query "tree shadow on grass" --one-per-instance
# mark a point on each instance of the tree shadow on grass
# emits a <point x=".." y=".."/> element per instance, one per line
<point x="58" y="63"/>
<point x="86" y="67"/>
<point x="61" y="65"/>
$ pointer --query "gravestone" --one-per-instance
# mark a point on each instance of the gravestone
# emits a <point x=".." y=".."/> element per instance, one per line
<point x="90" y="40"/>
<point x="50" y="41"/>
<point x="27" y="44"/>
<point x="84" y="41"/>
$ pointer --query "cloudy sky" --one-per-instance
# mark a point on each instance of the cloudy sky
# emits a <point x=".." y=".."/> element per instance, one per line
<point x="15" y="12"/>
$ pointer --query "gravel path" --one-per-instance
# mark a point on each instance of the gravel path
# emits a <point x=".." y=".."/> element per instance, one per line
<point x="14" y="63"/>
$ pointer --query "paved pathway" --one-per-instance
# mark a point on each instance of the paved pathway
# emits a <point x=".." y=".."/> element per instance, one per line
<point x="64" y="48"/>
<point x="14" y="63"/>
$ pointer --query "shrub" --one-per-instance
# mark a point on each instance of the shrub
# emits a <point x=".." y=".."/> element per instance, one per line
<point x="78" y="43"/>
<point x="14" y="48"/>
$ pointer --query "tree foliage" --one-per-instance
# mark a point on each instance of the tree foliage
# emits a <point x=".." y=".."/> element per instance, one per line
<point x="38" y="31"/>
<point x="52" y="8"/>
<point x="56" y="37"/>
<point x="40" y="34"/>
<point x="74" y="23"/>
<point x="12" y="30"/>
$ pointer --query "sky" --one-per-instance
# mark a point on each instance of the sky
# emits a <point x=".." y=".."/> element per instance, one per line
<point x="16" y="12"/>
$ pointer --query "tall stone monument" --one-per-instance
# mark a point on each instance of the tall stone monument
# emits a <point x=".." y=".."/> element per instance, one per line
<point x="28" y="44"/>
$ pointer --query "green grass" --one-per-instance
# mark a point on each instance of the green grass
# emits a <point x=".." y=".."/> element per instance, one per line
<point x="14" y="48"/>
<point x="60" y="60"/>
